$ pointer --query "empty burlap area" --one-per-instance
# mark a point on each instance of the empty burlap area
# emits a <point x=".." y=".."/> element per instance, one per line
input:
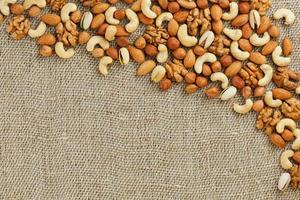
<point x="66" y="132"/>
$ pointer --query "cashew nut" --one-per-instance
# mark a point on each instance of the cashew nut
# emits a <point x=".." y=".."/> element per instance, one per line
<point x="284" y="159"/>
<point x="39" y="31"/>
<point x="103" y="63"/>
<point x="124" y="56"/>
<point x="162" y="56"/>
<point x="259" y="41"/>
<point x="287" y="14"/>
<point x="254" y="19"/>
<point x="268" y="71"/>
<point x="243" y="109"/>
<point x="278" y="59"/>
<point x="285" y="122"/>
<point x="62" y="53"/>
<point x="220" y="76"/>
<point x="296" y="143"/>
<point x="298" y="90"/>
<point x="207" y="57"/>
<point x="228" y="93"/>
<point x="66" y="10"/>
<point x="208" y="37"/>
<point x="237" y="53"/>
<point x="28" y="3"/>
<point x="233" y="34"/>
<point x="133" y="21"/>
<point x="109" y="16"/>
<point x="145" y="7"/>
<point x="110" y="32"/>
<point x="184" y="38"/>
<point x="296" y="132"/>
<point x="4" y="8"/>
<point x="233" y="11"/>
<point x="270" y="101"/>
<point x="165" y="16"/>
<point x="93" y="41"/>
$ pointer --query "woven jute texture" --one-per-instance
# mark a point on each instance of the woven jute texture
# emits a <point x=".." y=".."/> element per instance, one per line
<point x="68" y="133"/>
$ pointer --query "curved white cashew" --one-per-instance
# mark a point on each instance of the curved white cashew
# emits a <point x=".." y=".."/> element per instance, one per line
<point x="237" y="53"/>
<point x="162" y="56"/>
<point x="109" y="16"/>
<point x="158" y="73"/>
<point x="146" y="9"/>
<point x="270" y="101"/>
<point x="124" y="56"/>
<point x="254" y="19"/>
<point x="296" y="143"/>
<point x="28" y="3"/>
<point x="207" y="57"/>
<point x="220" y="76"/>
<point x="110" y="32"/>
<point x="228" y="93"/>
<point x="165" y="16"/>
<point x="62" y="53"/>
<point x="185" y="39"/>
<point x="284" y="181"/>
<point x="243" y="109"/>
<point x="233" y="11"/>
<point x="104" y="61"/>
<point x="287" y="14"/>
<point x="284" y="159"/>
<point x="233" y="34"/>
<point x="298" y="90"/>
<point x="278" y="59"/>
<point x="133" y="21"/>
<point x="93" y="41"/>
<point x="207" y="37"/>
<point x="86" y="20"/>
<point x="259" y="41"/>
<point x="4" y="8"/>
<point x="66" y="10"/>
<point x="285" y="122"/>
<point x="268" y="74"/>
<point x="39" y="31"/>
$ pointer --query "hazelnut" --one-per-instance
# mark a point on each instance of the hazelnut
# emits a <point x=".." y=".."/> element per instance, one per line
<point x="165" y="84"/>
<point x="296" y="157"/>
<point x="151" y="50"/>
<point x="156" y="9"/>
<point x="199" y="51"/>
<point x="224" y="4"/>
<point x="98" y="53"/>
<point x="140" y="43"/>
<point x="112" y="52"/>
<point x="191" y="88"/>
<point x="122" y="41"/>
<point x="216" y="66"/>
<point x="244" y="7"/>
<point x="46" y="51"/>
<point x="212" y="92"/>
<point x="206" y="70"/>
<point x="201" y="81"/>
<point x="226" y="60"/>
<point x="238" y="82"/>
<point x="259" y="91"/>
<point x="258" y="105"/>
<point x="190" y="77"/>
<point x="274" y="31"/>
<point x="17" y="9"/>
<point x="179" y="53"/>
<point x="173" y="43"/>
<point x="119" y="14"/>
<point x="112" y="1"/>
<point x="83" y="37"/>
<point x="34" y="11"/>
<point x="202" y="3"/>
<point x="173" y="7"/>
<point x="247" y="92"/>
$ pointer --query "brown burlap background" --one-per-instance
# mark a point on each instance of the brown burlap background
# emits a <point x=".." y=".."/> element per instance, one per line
<point x="68" y="133"/>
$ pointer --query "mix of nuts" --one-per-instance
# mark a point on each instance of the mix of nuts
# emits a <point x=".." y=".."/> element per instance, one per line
<point x="191" y="41"/>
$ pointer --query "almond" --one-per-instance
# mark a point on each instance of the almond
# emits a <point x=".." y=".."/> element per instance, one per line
<point x="190" y="77"/>
<point x="277" y="140"/>
<point x="173" y="7"/>
<point x="145" y="68"/>
<point x="269" y="48"/>
<point x="245" y="45"/>
<point x="136" y="54"/>
<point x="101" y="30"/>
<point x="287" y="135"/>
<point x="216" y="12"/>
<point x="240" y="20"/>
<point x="47" y="39"/>
<point x="145" y="20"/>
<point x="201" y="81"/>
<point x="282" y="94"/>
<point x="34" y="11"/>
<point x="206" y="70"/>
<point x="163" y="4"/>
<point x="296" y="157"/>
<point x="121" y="31"/>
<point x="217" y="27"/>
<point x="173" y="27"/>
<point x="51" y="19"/>
<point x="100" y="8"/>
<point x="202" y="3"/>
<point x="233" y="69"/>
<point x="244" y="7"/>
<point x="238" y="82"/>
<point x="17" y="9"/>
<point x="97" y="21"/>
<point x="151" y="50"/>
<point x="189" y="59"/>
<point x="274" y="31"/>
<point x="257" y="58"/>
<point x="112" y="52"/>
<point x="191" y="88"/>
<point x="287" y="46"/>
<point x="122" y="41"/>
<point x="265" y="24"/>
<point x="181" y="16"/>
<point x="140" y="42"/>
<point x="246" y="31"/>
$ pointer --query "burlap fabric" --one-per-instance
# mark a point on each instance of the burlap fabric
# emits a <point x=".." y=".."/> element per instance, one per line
<point x="68" y="133"/>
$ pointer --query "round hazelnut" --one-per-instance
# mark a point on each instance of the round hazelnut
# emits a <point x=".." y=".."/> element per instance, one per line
<point x="244" y="7"/>
<point x="17" y="9"/>
<point x="212" y="92"/>
<point x="259" y="91"/>
<point x="140" y="43"/>
<point x="190" y="77"/>
<point x="119" y="14"/>
<point x="112" y="1"/>
<point x="199" y="51"/>
<point x="112" y="52"/>
<point x="179" y="53"/>
<point x="83" y="37"/>
<point x="173" y="43"/>
<point x="216" y="66"/>
<point x="46" y="51"/>
<point x="165" y="84"/>
<point x="34" y="11"/>
<point x="202" y="3"/>
<point x="238" y="82"/>
<point x="173" y="7"/>
<point x="98" y="53"/>
<point x="224" y="3"/>
<point x="258" y="105"/>
<point x="226" y="60"/>
<point x="151" y="50"/>
<point x="201" y="81"/>
<point x="206" y="70"/>
<point x="122" y="41"/>
<point x="246" y="92"/>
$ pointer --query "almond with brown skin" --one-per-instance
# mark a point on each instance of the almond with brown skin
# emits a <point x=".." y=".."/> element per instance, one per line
<point x="145" y="68"/>
<point x="282" y="94"/>
<point x="163" y="4"/>
<point x="257" y="58"/>
<point x="112" y="52"/>
<point x="17" y="9"/>
<point x="97" y="21"/>
<point x="233" y="69"/>
<point x="173" y="27"/>
<point x="274" y="31"/>
<point x="247" y="31"/>
<point x="145" y="20"/>
<point x="136" y="54"/>
<point x="100" y="8"/>
<point x="122" y="41"/>
<point x="151" y="50"/>
<point x="265" y="24"/>
<point x="189" y="59"/>
<point x="173" y="7"/>
<point x="296" y="157"/>
<point x="244" y="7"/>
<point x="245" y="45"/>
<point x="287" y="135"/>
<point x="277" y="140"/>
<point x="240" y="20"/>
<point x="181" y="16"/>
<point x="224" y="3"/>
<point x="101" y="30"/>
<point x="140" y="42"/>
<point x="121" y="31"/>
<point x="202" y="3"/>
<point x="217" y="27"/>
<point x="269" y="48"/>
<point x="47" y="39"/>
<point x="206" y="70"/>
<point x="287" y="46"/>
<point x="51" y="19"/>
<point x="216" y="12"/>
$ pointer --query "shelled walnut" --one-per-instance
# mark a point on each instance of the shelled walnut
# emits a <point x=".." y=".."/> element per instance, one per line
<point x="251" y="74"/>
<point x="295" y="176"/>
<point x="56" y="5"/>
<point x="261" y="5"/>
<point x="286" y="78"/>
<point x="156" y="35"/>
<point x="267" y="120"/>
<point x="220" y="46"/>
<point x="175" y="70"/>
<point x="291" y="109"/>
<point x="67" y="33"/>
<point x="18" y="27"/>
<point x="198" y="18"/>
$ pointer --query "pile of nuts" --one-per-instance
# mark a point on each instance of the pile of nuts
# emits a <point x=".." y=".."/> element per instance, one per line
<point x="191" y="41"/>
